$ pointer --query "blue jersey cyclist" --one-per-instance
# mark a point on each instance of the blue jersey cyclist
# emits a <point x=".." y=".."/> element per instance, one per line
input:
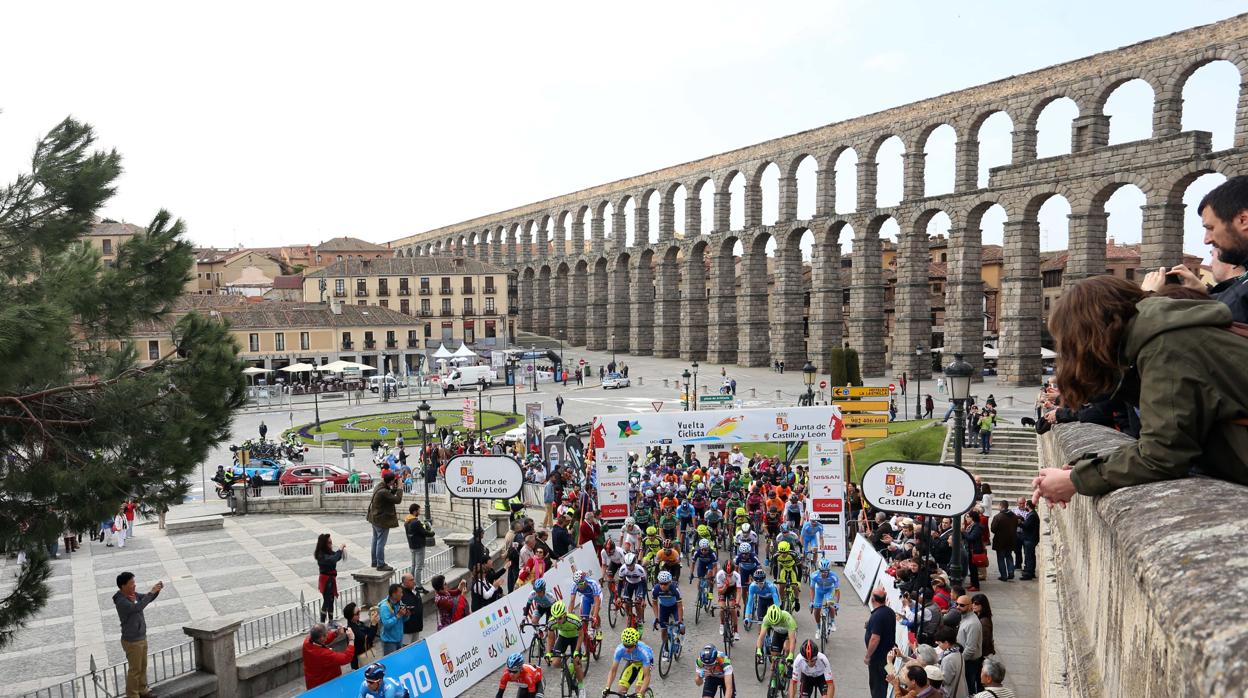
<point x="747" y="561"/>
<point x="636" y="658"/>
<point x="539" y="603"/>
<point x="763" y="593"/>
<point x="667" y="604"/>
<point x="376" y="685"/>
<point x="590" y="593"/>
<point x="714" y="673"/>
<point x="704" y="559"/>
<point x="812" y="534"/>
<point x="825" y="586"/>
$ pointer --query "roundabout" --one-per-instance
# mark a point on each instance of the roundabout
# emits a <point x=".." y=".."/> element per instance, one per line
<point x="364" y="429"/>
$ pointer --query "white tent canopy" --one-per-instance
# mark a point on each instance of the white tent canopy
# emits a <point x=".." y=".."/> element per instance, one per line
<point x="340" y="366"/>
<point x="442" y="352"/>
<point x="254" y="371"/>
<point x="463" y="352"/>
<point x="298" y="368"/>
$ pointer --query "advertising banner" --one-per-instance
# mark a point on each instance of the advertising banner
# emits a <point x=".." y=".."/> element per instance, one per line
<point x="471" y="649"/>
<point x="611" y="471"/>
<point x="918" y="488"/>
<point x="469" y="416"/>
<point x="558" y="582"/>
<point x="826" y="465"/>
<point x="724" y="426"/>
<point x="862" y="567"/>
<point x="556" y="454"/>
<point x="533" y="424"/>
<point x="411" y="666"/>
<point x="484" y="477"/>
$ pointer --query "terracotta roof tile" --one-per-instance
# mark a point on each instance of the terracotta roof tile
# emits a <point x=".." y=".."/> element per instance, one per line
<point x="407" y="266"/>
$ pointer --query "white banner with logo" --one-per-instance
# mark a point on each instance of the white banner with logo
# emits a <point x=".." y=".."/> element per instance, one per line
<point x="863" y="566"/>
<point x="558" y="583"/>
<point x="625" y="431"/>
<point x="611" y="469"/>
<point x="484" y="477"/>
<point x="826" y="466"/>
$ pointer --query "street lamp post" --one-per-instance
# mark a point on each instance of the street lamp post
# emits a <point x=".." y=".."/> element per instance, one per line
<point x="688" y="397"/>
<point x="918" y="392"/>
<point x="808" y="375"/>
<point x="421" y="421"/>
<point x="533" y="366"/>
<point x="480" y="426"/>
<point x="695" y="385"/>
<point x="513" y="363"/>
<point x="613" y="362"/>
<point x="563" y="370"/>
<point x="958" y="376"/>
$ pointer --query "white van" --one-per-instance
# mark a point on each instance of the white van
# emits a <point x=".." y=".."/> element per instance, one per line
<point x="467" y="377"/>
<point x="375" y="382"/>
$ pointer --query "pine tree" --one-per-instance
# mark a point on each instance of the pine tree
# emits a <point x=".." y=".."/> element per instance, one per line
<point x="82" y="426"/>
<point x="853" y="372"/>
<point x="836" y="367"/>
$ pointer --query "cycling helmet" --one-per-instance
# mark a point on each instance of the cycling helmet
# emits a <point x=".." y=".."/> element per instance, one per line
<point x="709" y="654"/>
<point x="745" y="528"/>
<point x="514" y="662"/>
<point x="715" y="506"/>
<point x="759" y="575"/>
<point x="578" y="577"/>
<point x="377" y="672"/>
<point x="793" y="498"/>
<point x="744" y="548"/>
<point x="825" y="564"/>
<point x="784" y="526"/>
<point x="630" y="521"/>
<point x="701" y="486"/>
<point x="651" y="530"/>
<point x="740" y="511"/>
<point x="630" y="637"/>
<point x="667" y="543"/>
<point x="704" y="530"/>
<point x="773" y="615"/>
<point x="558" y="609"/>
<point x="539" y="585"/>
<point x="629" y="558"/>
<point x="664" y="577"/>
<point x="809" y="650"/>
<point x="704" y="544"/>
<point x="728" y="566"/>
<point x="784" y="546"/>
<point x="649" y="494"/>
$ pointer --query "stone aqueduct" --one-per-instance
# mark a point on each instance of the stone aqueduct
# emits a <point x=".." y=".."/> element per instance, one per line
<point x="652" y="297"/>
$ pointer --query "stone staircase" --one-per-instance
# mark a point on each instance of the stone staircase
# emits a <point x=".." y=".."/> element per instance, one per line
<point x="1011" y="465"/>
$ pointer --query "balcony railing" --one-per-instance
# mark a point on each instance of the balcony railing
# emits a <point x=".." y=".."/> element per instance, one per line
<point x="348" y="346"/>
<point x="361" y="292"/>
<point x="447" y="312"/>
<point x="426" y="291"/>
<point x="489" y="290"/>
<point x="405" y="291"/>
<point x="446" y="290"/>
<point x="383" y="292"/>
<point x="425" y="312"/>
<point x="370" y="343"/>
<point x="392" y="344"/>
<point x="340" y="294"/>
<point x="413" y="344"/>
<point x="468" y="290"/>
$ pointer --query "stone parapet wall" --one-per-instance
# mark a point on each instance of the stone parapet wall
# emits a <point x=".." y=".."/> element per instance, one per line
<point x="1144" y="589"/>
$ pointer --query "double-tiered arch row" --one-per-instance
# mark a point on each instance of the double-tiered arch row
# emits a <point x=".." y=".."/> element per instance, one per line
<point x="687" y="262"/>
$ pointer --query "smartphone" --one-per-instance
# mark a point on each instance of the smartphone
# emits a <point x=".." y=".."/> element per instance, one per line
<point x="1173" y="279"/>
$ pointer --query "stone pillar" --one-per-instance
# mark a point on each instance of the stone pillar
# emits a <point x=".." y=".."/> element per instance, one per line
<point x="1241" y="117"/>
<point x="577" y="245"/>
<point x="318" y="494"/>
<point x="866" y="185"/>
<point x="524" y="288"/>
<point x="559" y="305"/>
<point x="1021" y="303"/>
<point x="214" y="650"/>
<point x="722" y="310"/>
<point x="578" y="299"/>
<point x="501" y="520"/>
<point x="912" y="177"/>
<point x="667" y="313"/>
<point x="753" y="205"/>
<point x="788" y="337"/>
<point x="693" y="310"/>
<point x="641" y="218"/>
<point x="596" y="319"/>
<point x="561" y="235"/>
<point x="1088" y="132"/>
<point x="866" y="300"/>
<point x="1167" y="115"/>
<point x="753" y="322"/>
<point x="825" y="331"/>
<point x="1162" y="239"/>
<point x="459" y="543"/>
<point x="541" y="303"/>
<point x="723" y="211"/>
<point x="693" y="216"/>
<point x="597" y="226"/>
<point x="375" y="583"/>
<point x="964" y="298"/>
<point x="1086" y="249"/>
<point x="1023" y="146"/>
<point x="825" y="192"/>
<point x="667" y="217"/>
<point x="788" y="198"/>
<point x="912" y="307"/>
<point x="642" y="298"/>
<point x="618" y="309"/>
<point x="966" y="170"/>
<point x="510" y="242"/>
<point x="619" y="229"/>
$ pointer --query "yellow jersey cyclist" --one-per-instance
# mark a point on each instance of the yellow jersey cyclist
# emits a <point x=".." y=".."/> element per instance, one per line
<point x="786" y="566"/>
<point x="563" y="632"/>
<point x="714" y="673"/>
<point x="636" y="657"/>
<point x="650" y="543"/>
<point x="783" y="628"/>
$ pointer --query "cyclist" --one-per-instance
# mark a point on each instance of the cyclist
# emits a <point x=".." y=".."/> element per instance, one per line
<point x="666" y="602"/>
<point x="714" y="517"/>
<point x="637" y="658"/>
<point x="825" y="584"/>
<point x="591" y="596"/>
<point x="634" y="576"/>
<point x="785" y="565"/>
<point x="728" y="590"/>
<point x="762" y="591"/>
<point x="740" y="517"/>
<point x="812" y="537"/>
<point x="376" y="685"/>
<point x="563" y="632"/>
<point x="783" y="628"/>
<point x="528" y="676"/>
<point x="630" y="535"/>
<point x="772" y="521"/>
<point x="539" y="603"/>
<point x="812" y="673"/>
<point x="612" y="559"/>
<point x="684" y="516"/>
<point x="747" y="535"/>
<point x="669" y="558"/>
<point x="714" y="673"/>
<point x="793" y="510"/>
<point x="704" y="559"/>
<point x="651" y="544"/>
<point x="747" y="561"/>
<point x="667" y="522"/>
<point x="704" y="533"/>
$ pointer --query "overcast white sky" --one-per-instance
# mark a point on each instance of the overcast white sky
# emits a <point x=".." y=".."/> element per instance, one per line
<point x="281" y="122"/>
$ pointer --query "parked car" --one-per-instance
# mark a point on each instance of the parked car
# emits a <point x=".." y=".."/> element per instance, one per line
<point x="305" y="473"/>
<point x="615" y="380"/>
<point x="269" y="469"/>
<point x="552" y="427"/>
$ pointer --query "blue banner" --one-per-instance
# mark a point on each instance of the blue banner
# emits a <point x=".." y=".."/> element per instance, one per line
<point x="410" y="666"/>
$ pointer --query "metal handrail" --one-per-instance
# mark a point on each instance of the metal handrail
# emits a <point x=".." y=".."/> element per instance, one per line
<point x="110" y="682"/>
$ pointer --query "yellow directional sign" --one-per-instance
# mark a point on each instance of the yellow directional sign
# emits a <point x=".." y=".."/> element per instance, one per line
<point x="857" y="419"/>
<point x="854" y="445"/>
<point x="861" y="405"/>
<point x="865" y="432"/>
<point x="866" y="391"/>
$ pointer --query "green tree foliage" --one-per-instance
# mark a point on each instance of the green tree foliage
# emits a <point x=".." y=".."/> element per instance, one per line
<point x="853" y="372"/>
<point x="82" y="426"/>
<point x="836" y="369"/>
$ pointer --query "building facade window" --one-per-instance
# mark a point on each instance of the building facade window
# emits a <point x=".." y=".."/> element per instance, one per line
<point x="340" y="288"/>
<point x="470" y="333"/>
<point x="424" y="305"/>
<point x="490" y="330"/>
<point x="424" y="286"/>
<point x="448" y="330"/>
<point x="468" y="310"/>
<point x="412" y="340"/>
<point x="107" y="246"/>
<point x="383" y="286"/>
<point x="489" y="305"/>
<point x="369" y="342"/>
<point x="279" y="341"/>
<point x="428" y="330"/>
<point x="305" y="341"/>
<point x="446" y="306"/>
<point x="361" y="302"/>
<point x="489" y="284"/>
<point x="361" y="287"/>
<point x="467" y="285"/>
<point x="253" y="342"/>
<point x="346" y="341"/>
<point x="405" y="306"/>
<point x="153" y="349"/>
<point x="384" y="303"/>
<point x="404" y="289"/>
<point x="446" y="285"/>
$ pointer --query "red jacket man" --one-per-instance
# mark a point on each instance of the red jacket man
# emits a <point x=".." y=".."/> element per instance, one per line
<point x="321" y="664"/>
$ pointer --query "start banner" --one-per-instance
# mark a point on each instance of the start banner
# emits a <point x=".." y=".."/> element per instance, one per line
<point x="727" y="426"/>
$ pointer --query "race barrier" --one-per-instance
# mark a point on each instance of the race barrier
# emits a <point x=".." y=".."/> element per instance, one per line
<point x="452" y="660"/>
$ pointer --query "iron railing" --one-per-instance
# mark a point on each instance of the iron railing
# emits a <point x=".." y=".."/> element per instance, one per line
<point x="301" y="489"/>
<point x="110" y="682"/>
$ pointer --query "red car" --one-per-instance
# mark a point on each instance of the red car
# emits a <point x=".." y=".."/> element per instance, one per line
<point x="305" y="472"/>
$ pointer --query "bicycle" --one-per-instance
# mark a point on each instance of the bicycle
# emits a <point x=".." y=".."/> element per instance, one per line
<point x="760" y="660"/>
<point x="788" y="597"/>
<point x="669" y="651"/>
<point x="727" y="621"/>
<point x="826" y="619"/>
<point x="648" y="693"/>
<point x="569" y="687"/>
<point x="590" y="640"/>
<point x="779" y="676"/>
<point x="613" y="609"/>
<point x="704" y="601"/>
<point x="756" y="616"/>
<point x="537" y="647"/>
<point x="636" y="612"/>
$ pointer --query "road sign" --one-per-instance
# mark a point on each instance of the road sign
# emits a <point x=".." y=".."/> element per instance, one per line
<point x="382" y="431"/>
<point x="865" y="432"/>
<point x="656" y="404"/>
<point x="434" y="378"/>
<point x="861" y="405"/>
<point x="714" y="398"/>
<point x="854" y="444"/>
<point x="858" y="419"/>
<point x="892" y="387"/>
<point x="862" y="391"/>
<point x="348" y="447"/>
<point x="581" y="362"/>
<point x="327" y="436"/>
<point x="823" y="384"/>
